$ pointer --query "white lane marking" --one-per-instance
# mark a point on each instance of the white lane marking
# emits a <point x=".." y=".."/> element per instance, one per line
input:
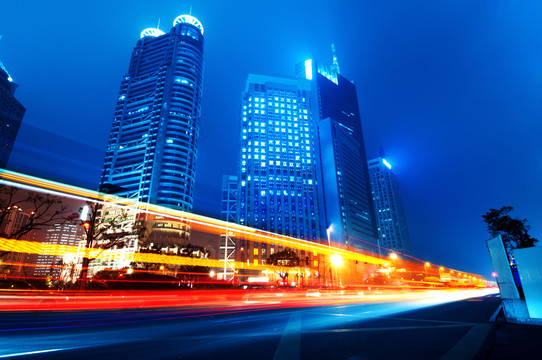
<point x="29" y="353"/>
<point x="290" y="343"/>
<point x="469" y="345"/>
<point x="394" y="328"/>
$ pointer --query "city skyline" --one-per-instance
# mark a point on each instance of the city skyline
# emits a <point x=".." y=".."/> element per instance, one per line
<point x="437" y="103"/>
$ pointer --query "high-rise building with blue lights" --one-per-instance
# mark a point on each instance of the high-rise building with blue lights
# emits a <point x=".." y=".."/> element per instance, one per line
<point x="303" y="169"/>
<point x="152" y="150"/>
<point x="11" y="115"/>
<point x="277" y="172"/>
<point x="344" y="192"/>
<point x="392" y="226"/>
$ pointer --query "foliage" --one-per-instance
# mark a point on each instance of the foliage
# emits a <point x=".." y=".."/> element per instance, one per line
<point x="286" y="258"/>
<point x="186" y="273"/>
<point x="514" y="232"/>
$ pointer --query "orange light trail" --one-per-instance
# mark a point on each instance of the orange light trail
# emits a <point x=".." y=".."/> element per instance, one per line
<point x="200" y="222"/>
<point x="196" y="222"/>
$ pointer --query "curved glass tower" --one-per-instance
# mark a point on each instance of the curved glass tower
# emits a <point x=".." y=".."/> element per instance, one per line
<point x="152" y="149"/>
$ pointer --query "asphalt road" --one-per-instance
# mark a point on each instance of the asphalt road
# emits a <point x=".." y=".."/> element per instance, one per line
<point x="438" y="326"/>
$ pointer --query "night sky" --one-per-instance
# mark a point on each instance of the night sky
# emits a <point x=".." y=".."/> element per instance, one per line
<point x="452" y="90"/>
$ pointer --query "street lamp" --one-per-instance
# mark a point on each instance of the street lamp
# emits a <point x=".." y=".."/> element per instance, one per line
<point x="328" y="232"/>
<point x="393" y="257"/>
<point x="336" y="260"/>
<point x="426" y="265"/>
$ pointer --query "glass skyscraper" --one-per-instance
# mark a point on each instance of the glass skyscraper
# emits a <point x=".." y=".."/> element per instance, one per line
<point x="277" y="173"/>
<point x="344" y="190"/>
<point x="392" y="226"/>
<point x="303" y="169"/>
<point x="152" y="150"/>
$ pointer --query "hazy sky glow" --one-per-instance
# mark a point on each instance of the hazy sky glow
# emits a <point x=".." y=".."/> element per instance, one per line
<point x="451" y="89"/>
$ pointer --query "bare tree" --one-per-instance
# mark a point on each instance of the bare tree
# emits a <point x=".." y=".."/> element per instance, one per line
<point x="42" y="211"/>
<point x="103" y="230"/>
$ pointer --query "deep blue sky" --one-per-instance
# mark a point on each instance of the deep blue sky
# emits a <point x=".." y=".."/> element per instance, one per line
<point x="451" y="89"/>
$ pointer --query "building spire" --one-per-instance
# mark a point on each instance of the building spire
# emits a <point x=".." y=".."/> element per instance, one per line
<point x="335" y="65"/>
<point x="4" y="68"/>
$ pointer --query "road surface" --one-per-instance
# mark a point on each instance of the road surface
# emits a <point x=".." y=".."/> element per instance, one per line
<point x="435" y="325"/>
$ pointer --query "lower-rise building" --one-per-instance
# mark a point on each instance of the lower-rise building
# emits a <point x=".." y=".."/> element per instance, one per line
<point x="391" y="220"/>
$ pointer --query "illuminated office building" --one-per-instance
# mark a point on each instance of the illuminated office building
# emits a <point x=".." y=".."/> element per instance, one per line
<point x="277" y="171"/>
<point x="58" y="235"/>
<point x="152" y="150"/>
<point x="11" y="115"/>
<point x="303" y="168"/>
<point x="277" y="174"/>
<point x="344" y="191"/>
<point x="392" y="226"/>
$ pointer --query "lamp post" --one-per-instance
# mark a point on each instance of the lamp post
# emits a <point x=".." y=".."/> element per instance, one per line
<point x="425" y="266"/>
<point x="336" y="261"/>
<point x="89" y="228"/>
<point x="393" y="257"/>
<point x="328" y="232"/>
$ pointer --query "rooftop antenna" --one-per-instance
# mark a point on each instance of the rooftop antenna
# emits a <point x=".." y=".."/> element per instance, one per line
<point x="190" y="10"/>
<point x="158" y="26"/>
<point x="4" y="68"/>
<point x="335" y="66"/>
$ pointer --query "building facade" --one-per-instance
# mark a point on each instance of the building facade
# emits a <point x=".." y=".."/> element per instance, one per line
<point x="277" y="170"/>
<point x="277" y="178"/>
<point x="11" y="115"/>
<point x="18" y="264"/>
<point x="344" y="192"/>
<point x="303" y="169"/>
<point x="67" y="235"/>
<point x="152" y="150"/>
<point x="392" y="226"/>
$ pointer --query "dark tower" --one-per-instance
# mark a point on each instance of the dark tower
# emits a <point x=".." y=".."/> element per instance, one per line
<point x="11" y="115"/>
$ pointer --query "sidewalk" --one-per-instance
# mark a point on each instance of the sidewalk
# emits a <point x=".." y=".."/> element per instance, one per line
<point x="512" y="341"/>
